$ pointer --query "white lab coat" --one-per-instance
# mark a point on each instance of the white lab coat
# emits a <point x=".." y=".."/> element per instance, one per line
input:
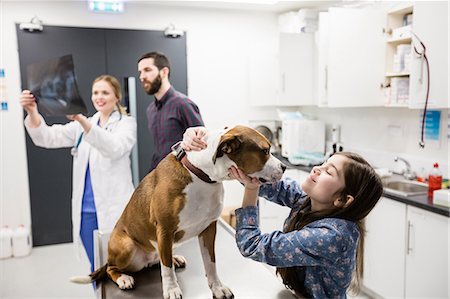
<point x="108" y="151"/>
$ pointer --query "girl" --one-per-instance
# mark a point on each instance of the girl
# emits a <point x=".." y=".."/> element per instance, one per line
<point x="101" y="147"/>
<point x="322" y="242"/>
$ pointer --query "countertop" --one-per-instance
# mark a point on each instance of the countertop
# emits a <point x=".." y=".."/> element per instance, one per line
<point x="420" y="201"/>
<point x="246" y="278"/>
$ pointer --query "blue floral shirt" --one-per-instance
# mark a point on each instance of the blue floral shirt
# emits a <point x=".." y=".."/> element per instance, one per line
<point x="326" y="247"/>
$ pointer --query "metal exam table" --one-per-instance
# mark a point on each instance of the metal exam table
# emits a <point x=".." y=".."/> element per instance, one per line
<point x="246" y="278"/>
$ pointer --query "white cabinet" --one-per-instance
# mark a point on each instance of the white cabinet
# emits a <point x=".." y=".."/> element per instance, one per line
<point x="384" y="255"/>
<point x="297" y="60"/>
<point x="351" y="68"/>
<point x="272" y="216"/>
<point x="285" y="78"/>
<point x="430" y="24"/>
<point x="406" y="252"/>
<point x="426" y="255"/>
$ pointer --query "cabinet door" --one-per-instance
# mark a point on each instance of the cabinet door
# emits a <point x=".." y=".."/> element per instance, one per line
<point x="427" y="255"/>
<point x="430" y="24"/>
<point x="296" y="63"/>
<point x="356" y="59"/>
<point x="323" y="47"/>
<point x="384" y="249"/>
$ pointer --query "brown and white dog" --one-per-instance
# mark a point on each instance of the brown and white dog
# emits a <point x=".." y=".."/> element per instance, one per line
<point x="180" y="200"/>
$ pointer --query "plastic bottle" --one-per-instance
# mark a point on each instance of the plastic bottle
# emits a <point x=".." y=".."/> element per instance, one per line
<point x="6" y="234"/>
<point x="434" y="180"/>
<point x="21" y="241"/>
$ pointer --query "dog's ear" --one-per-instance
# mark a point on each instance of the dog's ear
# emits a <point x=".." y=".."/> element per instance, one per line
<point x="229" y="144"/>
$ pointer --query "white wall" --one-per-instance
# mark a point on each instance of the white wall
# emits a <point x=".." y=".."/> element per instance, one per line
<point x="219" y="46"/>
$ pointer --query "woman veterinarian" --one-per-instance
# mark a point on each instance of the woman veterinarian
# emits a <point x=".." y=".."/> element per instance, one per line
<point x="101" y="147"/>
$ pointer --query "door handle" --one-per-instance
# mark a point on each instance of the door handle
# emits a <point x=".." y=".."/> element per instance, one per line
<point x="409" y="249"/>
<point x="132" y="101"/>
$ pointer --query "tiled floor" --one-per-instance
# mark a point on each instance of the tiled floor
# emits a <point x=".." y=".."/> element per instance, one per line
<point x="45" y="274"/>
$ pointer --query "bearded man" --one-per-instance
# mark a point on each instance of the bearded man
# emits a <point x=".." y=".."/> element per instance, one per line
<point x="172" y="112"/>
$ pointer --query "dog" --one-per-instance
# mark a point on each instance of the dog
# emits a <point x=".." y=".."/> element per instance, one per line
<point x="180" y="199"/>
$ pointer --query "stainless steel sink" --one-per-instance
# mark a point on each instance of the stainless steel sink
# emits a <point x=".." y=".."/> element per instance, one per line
<point x="406" y="188"/>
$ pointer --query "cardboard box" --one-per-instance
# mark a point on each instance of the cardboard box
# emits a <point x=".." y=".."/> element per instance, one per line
<point x="229" y="216"/>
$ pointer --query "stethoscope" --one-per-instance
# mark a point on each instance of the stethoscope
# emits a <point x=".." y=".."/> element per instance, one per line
<point x="74" y="149"/>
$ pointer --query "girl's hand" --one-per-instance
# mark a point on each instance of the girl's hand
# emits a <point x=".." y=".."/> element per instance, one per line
<point x="193" y="139"/>
<point x="28" y="102"/>
<point x="248" y="182"/>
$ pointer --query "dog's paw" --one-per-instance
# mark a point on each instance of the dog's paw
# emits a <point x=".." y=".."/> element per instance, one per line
<point x="173" y="293"/>
<point x="125" y="282"/>
<point x="179" y="261"/>
<point x="221" y="292"/>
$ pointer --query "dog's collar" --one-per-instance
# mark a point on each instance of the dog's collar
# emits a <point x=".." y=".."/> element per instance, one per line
<point x="180" y="155"/>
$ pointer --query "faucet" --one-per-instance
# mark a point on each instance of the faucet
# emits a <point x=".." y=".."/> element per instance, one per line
<point x="407" y="173"/>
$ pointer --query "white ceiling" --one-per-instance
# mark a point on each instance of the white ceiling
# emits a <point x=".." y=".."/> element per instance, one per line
<point x="255" y="5"/>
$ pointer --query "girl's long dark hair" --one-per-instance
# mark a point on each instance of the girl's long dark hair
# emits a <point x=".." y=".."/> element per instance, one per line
<point x="365" y="186"/>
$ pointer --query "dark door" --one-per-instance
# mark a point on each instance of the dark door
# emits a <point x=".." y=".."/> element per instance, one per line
<point x="95" y="52"/>
<point x="124" y="48"/>
<point x="50" y="171"/>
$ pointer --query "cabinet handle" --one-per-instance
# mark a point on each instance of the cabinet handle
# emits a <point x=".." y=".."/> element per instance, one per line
<point x="409" y="249"/>
<point x="326" y="77"/>
<point x="283" y="82"/>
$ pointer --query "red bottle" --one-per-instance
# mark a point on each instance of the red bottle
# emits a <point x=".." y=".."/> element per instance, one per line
<point x="434" y="180"/>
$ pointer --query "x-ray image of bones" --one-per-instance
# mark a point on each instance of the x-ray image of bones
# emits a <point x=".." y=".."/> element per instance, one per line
<point x="54" y="85"/>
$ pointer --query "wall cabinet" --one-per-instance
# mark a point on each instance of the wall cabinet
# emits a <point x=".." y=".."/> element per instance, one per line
<point x="285" y="79"/>
<point x="351" y="57"/>
<point x="406" y="252"/>
<point x="297" y="60"/>
<point x="430" y="24"/>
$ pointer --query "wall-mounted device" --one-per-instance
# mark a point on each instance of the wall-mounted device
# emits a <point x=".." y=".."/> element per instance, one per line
<point x="34" y="25"/>
<point x="173" y="32"/>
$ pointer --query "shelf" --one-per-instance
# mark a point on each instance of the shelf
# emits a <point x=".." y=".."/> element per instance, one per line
<point x="402" y="10"/>
<point x="397" y="74"/>
<point x="397" y="41"/>
<point x="397" y="105"/>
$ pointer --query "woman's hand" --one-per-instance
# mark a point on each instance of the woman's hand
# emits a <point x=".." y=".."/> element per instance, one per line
<point x="248" y="182"/>
<point x="77" y="117"/>
<point x="84" y="122"/>
<point x="28" y="102"/>
<point x="193" y="139"/>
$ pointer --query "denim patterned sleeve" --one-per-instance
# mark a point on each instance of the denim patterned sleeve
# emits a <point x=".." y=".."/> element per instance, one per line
<point x="286" y="192"/>
<point x="326" y="242"/>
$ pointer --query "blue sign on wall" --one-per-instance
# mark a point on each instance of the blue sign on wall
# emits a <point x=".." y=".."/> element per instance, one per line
<point x="432" y="124"/>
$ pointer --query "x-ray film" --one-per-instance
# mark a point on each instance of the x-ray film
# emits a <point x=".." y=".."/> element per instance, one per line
<point x="54" y="86"/>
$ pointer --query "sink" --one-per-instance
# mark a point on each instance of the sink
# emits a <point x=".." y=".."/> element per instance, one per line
<point x="406" y="188"/>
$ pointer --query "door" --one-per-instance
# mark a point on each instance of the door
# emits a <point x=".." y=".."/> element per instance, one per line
<point x="427" y="255"/>
<point x="430" y="24"/>
<point x="121" y="61"/>
<point x="356" y="60"/>
<point x="384" y="249"/>
<point x="95" y="52"/>
<point x="50" y="171"/>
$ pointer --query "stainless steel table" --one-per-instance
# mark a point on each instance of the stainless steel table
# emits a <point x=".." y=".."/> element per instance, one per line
<point x="246" y="278"/>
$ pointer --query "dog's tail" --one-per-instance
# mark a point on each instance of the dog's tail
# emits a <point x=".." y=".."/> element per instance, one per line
<point x="97" y="275"/>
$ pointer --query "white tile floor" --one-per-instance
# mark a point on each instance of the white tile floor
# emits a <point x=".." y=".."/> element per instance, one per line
<point x="45" y="273"/>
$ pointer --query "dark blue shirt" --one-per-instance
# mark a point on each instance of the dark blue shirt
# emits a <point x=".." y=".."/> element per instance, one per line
<point x="326" y="248"/>
<point x="168" y="118"/>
